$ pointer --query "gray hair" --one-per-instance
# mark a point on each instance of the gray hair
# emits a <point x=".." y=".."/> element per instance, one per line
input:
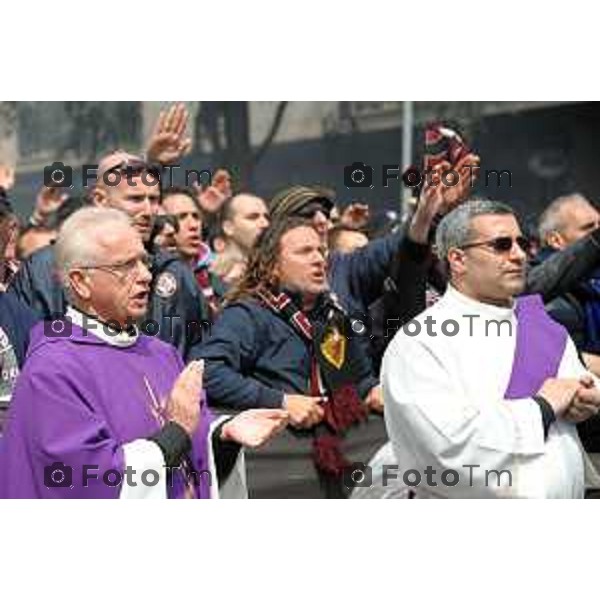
<point x="78" y="242"/>
<point x="551" y="219"/>
<point x="454" y="229"/>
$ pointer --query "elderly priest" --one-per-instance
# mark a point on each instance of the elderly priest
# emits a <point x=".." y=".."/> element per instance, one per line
<point x="102" y="411"/>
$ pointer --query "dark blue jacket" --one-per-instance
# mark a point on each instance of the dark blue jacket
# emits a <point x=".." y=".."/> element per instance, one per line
<point x="357" y="278"/>
<point x="569" y="310"/>
<point x="183" y="316"/>
<point x="16" y="320"/>
<point x="254" y="357"/>
<point x="37" y="284"/>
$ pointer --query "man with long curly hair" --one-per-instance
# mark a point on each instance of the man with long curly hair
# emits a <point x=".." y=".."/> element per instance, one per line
<point x="283" y="341"/>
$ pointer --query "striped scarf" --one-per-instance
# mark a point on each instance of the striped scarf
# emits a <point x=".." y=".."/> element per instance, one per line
<point x="344" y="407"/>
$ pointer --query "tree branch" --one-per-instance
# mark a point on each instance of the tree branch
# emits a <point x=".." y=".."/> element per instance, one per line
<point x="279" y="113"/>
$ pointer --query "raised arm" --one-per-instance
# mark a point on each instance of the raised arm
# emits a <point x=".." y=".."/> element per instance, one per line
<point x="563" y="270"/>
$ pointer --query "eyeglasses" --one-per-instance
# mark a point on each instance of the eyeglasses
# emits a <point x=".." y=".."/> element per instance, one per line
<point x="310" y="210"/>
<point x="122" y="270"/>
<point x="502" y="245"/>
<point x="134" y="165"/>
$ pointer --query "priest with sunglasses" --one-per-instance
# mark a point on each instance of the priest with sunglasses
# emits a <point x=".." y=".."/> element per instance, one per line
<point x="483" y="391"/>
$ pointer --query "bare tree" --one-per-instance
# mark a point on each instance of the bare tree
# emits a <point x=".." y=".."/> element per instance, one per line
<point x="226" y="128"/>
<point x="95" y="127"/>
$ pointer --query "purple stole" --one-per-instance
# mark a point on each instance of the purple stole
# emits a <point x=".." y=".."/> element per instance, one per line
<point x="539" y="348"/>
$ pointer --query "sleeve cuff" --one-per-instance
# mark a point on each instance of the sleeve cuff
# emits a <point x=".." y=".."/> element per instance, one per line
<point x="225" y="453"/>
<point x="36" y="221"/>
<point x="174" y="442"/>
<point x="548" y="416"/>
<point x="270" y="398"/>
<point x="366" y="385"/>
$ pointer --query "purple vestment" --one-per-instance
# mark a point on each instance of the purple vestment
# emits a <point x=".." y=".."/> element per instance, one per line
<point x="77" y="401"/>
<point x="539" y="348"/>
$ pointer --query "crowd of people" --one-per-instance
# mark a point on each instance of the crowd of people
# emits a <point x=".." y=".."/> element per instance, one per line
<point x="204" y="342"/>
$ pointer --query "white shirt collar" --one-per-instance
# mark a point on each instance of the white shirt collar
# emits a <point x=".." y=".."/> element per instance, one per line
<point x="113" y="337"/>
<point x="498" y="312"/>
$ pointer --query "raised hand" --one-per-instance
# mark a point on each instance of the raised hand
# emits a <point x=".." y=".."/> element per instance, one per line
<point x="255" y="427"/>
<point x="210" y="199"/>
<point x="222" y="181"/>
<point x="355" y="216"/>
<point x="468" y="170"/>
<point x="48" y="201"/>
<point x="431" y="202"/>
<point x="7" y="177"/>
<point x="169" y="142"/>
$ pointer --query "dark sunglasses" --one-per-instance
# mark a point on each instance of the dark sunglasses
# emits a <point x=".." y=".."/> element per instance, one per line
<point x="310" y="210"/>
<point x="502" y="245"/>
<point x="134" y="164"/>
<point x="134" y="167"/>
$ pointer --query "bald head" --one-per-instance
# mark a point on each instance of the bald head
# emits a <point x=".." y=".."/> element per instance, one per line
<point x="566" y="220"/>
<point x="125" y="182"/>
<point x="244" y="218"/>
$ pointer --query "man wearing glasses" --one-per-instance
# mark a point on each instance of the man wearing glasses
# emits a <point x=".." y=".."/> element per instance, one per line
<point x="357" y="278"/>
<point x="177" y="312"/>
<point x="483" y="390"/>
<point x="101" y="411"/>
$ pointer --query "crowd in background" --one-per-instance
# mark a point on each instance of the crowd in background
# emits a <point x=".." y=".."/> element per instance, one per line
<point x="290" y="301"/>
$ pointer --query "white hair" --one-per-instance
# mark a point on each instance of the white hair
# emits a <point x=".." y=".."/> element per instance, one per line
<point x="78" y="242"/>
